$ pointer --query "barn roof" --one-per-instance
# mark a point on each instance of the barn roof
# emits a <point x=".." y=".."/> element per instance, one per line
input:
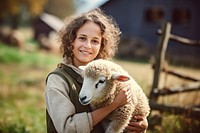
<point x="51" y="20"/>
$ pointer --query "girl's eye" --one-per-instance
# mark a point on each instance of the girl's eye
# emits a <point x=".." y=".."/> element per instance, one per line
<point x="82" y="38"/>
<point x="95" y="42"/>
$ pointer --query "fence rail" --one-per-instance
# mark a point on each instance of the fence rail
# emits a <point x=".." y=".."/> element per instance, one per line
<point x="159" y="66"/>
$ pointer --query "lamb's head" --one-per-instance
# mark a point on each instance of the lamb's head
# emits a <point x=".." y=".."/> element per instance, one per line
<point x="99" y="81"/>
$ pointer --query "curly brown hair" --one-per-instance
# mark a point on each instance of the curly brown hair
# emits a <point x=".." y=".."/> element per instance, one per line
<point x="110" y="34"/>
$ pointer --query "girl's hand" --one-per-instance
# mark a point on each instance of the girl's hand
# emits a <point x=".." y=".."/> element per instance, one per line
<point x="138" y="124"/>
<point x="123" y="97"/>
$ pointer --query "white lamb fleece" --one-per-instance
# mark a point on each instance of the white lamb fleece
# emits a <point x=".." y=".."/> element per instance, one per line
<point x="102" y="81"/>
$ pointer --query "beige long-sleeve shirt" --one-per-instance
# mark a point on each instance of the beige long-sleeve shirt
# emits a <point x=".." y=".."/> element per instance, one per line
<point x="62" y="110"/>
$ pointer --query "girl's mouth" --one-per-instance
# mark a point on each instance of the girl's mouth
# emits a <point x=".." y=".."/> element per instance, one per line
<point x="85" y="52"/>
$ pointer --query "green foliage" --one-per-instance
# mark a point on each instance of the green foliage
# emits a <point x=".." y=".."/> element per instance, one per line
<point x="180" y="124"/>
<point x="11" y="11"/>
<point x="8" y="55"/>
<point x="13" y="128"/>
<point x="169" y="123"/>
<point x="11" y="55"/>
<point x="14" y="7"/>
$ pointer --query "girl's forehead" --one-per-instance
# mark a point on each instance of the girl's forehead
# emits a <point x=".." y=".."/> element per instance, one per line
<point x="90" y="29"/>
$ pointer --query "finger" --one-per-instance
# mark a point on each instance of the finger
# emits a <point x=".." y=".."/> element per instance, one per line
<point x="138" y="117"/>
<point x="128" y="93"/>
<point x="134" y="124"/>
<point x="133" y="129"/>
<point x="141" y="120"/>
<point x="139" y="125"/>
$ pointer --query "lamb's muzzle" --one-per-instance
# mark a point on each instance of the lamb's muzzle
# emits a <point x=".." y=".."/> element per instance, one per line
<point x="83" y="100"/>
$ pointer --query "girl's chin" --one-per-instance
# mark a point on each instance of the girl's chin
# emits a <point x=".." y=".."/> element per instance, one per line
<point x="85" y="61"/>
<point x="86" y="58"/>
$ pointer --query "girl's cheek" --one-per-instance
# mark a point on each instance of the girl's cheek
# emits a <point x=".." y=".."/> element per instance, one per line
<point x="97" y="49"/>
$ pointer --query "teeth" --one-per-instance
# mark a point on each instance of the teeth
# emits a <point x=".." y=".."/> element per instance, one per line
<point x="85" y="52"/>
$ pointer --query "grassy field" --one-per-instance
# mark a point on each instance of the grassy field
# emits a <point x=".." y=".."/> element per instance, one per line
<point x="22" y="81"/>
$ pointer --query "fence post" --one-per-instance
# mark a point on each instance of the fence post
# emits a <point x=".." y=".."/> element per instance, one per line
<point x="160" y="57"/>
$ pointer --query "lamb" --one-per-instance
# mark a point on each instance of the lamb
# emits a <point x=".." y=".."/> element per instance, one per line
<point x="102" y="81"/>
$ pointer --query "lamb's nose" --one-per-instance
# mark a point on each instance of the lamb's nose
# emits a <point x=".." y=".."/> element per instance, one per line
<point x="83" y="98"/>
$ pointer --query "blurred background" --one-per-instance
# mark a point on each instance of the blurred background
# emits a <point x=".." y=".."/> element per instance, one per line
<point x="29" y="50"/>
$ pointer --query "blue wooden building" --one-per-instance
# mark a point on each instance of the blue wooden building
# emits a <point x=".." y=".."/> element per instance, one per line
<point x="140" y="19"/>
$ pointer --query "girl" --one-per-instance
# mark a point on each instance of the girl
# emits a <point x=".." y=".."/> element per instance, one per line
<point x="87" y="37"/>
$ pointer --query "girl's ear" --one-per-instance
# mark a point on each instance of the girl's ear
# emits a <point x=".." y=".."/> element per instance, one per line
<point x="120" y="77"/>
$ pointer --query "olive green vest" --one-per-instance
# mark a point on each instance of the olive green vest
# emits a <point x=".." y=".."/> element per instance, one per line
<point x="74" y="80"/>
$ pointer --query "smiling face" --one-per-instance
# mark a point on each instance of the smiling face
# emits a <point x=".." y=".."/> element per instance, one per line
<point x="87" y="43"/>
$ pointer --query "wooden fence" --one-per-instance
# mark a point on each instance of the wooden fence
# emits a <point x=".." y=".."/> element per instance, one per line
<point x="159" y="67"/>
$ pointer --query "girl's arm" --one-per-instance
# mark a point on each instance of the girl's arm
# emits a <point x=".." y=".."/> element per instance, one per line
<point x="123" y="97"/>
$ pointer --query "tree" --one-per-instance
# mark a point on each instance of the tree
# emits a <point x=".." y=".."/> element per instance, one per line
<point x="13" y="10"/>
<point x="60" y="8"/>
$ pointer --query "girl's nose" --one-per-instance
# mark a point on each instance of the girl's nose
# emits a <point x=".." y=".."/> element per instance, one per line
<point x="88" y="44"/>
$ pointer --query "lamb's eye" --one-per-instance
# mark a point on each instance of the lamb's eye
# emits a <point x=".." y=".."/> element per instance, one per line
<point x="100" y="81"/>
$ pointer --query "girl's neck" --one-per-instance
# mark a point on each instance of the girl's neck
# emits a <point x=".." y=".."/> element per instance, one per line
<point x="77" y="64"/>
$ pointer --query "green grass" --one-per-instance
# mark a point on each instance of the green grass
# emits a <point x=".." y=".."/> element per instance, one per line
<point x="22" y="79"/>
<point x="11" y="55"/>
<point x="169" y="123"/>
<point x="22" y="111"/>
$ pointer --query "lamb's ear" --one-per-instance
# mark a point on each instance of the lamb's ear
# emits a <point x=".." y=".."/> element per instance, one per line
<point x="120" y="77"/>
